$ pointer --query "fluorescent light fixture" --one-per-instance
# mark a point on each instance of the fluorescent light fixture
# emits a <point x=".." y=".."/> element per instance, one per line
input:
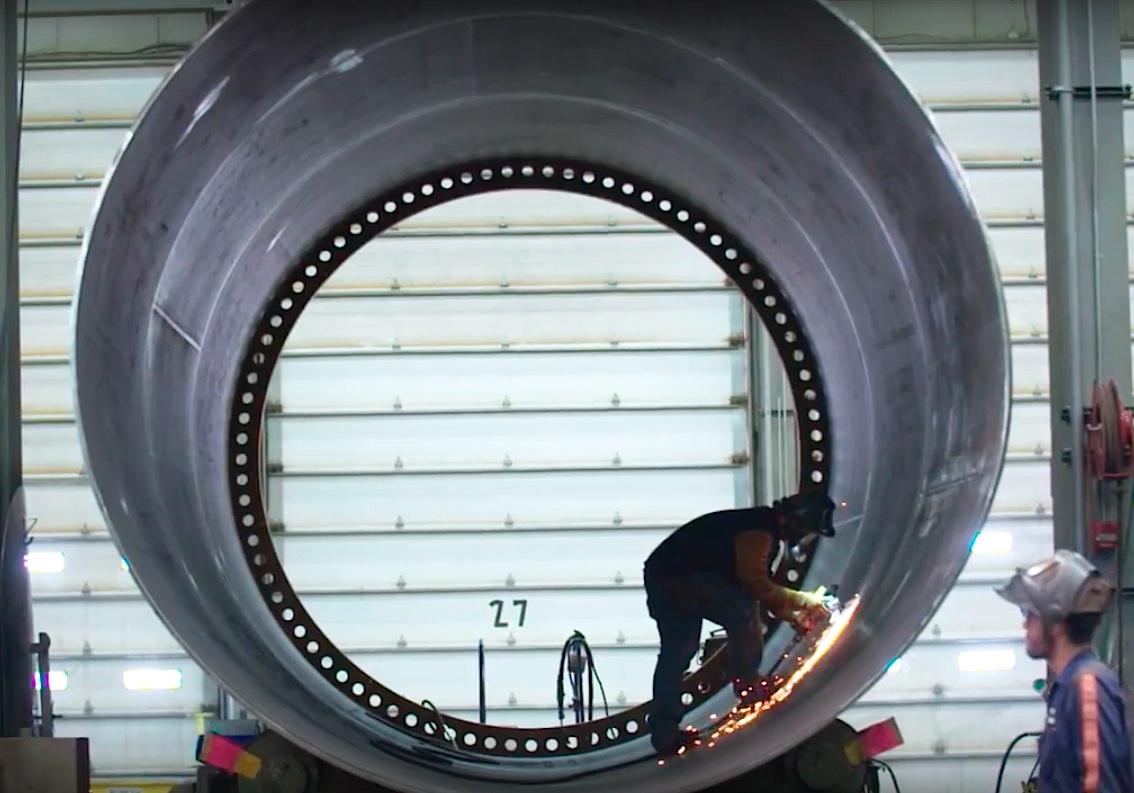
<point x="56" y="680"/>
<point x="992" y="542"/>
<point x="45" y="562"/>
<point x="152" y="679"/>
<point x="125" y="564"/>
<point x="895" y="666"/>
<point x="986" y="660"/>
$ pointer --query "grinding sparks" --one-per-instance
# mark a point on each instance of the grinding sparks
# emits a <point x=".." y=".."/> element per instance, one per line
<point x="741" y="716"/>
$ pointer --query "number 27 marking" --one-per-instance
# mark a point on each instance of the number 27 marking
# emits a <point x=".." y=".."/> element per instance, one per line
<point x="522" y="605"/>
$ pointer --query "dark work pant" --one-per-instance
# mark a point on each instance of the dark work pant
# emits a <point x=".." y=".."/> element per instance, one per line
<point x="678" y="603"/>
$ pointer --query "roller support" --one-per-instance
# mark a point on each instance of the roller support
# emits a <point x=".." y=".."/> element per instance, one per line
<point x="831" y="761"/>
<point x="816" y="182"/>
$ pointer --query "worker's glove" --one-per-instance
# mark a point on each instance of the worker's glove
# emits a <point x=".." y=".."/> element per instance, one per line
<point x="805" y="620"/>
<point x="810" y="600"/>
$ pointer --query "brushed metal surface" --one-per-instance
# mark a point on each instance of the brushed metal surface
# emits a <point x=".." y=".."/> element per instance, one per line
<point x="779" y="117"/>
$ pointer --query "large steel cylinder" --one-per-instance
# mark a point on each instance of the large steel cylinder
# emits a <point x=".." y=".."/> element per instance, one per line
<point x="772" y="134"/>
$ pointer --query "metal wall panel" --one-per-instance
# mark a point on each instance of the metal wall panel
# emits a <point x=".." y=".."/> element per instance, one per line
<point x="460" y="453"/>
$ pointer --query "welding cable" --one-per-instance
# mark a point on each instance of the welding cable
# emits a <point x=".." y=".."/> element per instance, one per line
<point x="875" y="763"/>
<point x="578" y="639"/>
<point x="445" y="736"/>
<point x="1008" y="753"/>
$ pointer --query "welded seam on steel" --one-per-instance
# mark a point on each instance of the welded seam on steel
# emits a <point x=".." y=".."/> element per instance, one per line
<point x="346" y="237"/>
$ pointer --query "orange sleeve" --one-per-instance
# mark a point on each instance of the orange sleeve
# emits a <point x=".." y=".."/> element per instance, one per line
<point x="1089" y="724"/>
<point x="753" y="560"/>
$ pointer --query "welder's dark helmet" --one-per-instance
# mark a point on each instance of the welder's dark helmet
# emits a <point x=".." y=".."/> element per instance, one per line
<point x="807" y="513"/>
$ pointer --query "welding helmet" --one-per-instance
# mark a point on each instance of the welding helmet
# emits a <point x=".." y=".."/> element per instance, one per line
<point x="1058" y="587"/>
<point x="806" y="514"/>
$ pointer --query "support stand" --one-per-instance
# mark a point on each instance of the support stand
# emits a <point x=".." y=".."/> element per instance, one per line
<point x="15" y="595"/>
<point x="1088" y="278"/>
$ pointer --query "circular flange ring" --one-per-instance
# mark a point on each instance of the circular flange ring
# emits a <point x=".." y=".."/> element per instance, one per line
<point x="346" y="237"/>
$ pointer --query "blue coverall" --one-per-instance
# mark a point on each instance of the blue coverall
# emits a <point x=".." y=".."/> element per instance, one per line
<point x="1085" y="747"/>
<point x="716" y="567"/>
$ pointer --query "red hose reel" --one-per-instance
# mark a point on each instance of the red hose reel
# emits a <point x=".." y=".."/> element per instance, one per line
<point x="1109" y="453"/>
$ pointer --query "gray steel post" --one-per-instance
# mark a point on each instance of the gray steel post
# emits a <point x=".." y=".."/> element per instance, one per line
<point x="15" y="597"/>
<point x="1087" y="267"/>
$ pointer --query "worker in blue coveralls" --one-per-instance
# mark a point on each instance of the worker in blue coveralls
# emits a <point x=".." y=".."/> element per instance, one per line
<point x="1084" y="746"/>
<point x="718" y="567"/>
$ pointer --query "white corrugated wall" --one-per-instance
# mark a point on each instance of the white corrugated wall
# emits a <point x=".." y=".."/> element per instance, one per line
<point x="461" y="452"/>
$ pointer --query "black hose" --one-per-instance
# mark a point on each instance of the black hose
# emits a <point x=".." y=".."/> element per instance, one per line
<point x="1008" y="753"/>
<point x="578" y="639"/>
<point x="443" y="731"/>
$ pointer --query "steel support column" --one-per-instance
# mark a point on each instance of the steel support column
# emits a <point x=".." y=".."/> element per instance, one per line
<point x="1087" y="267"/>
<point x="15" y="597"/>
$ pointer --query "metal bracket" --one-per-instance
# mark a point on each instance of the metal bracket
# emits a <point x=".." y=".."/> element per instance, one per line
<point x="1085" y="91"/>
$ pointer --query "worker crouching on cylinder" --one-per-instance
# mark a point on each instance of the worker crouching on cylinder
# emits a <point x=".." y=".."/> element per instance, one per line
<point x="1084" y="746"/>
<point x="718" y="567"/>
